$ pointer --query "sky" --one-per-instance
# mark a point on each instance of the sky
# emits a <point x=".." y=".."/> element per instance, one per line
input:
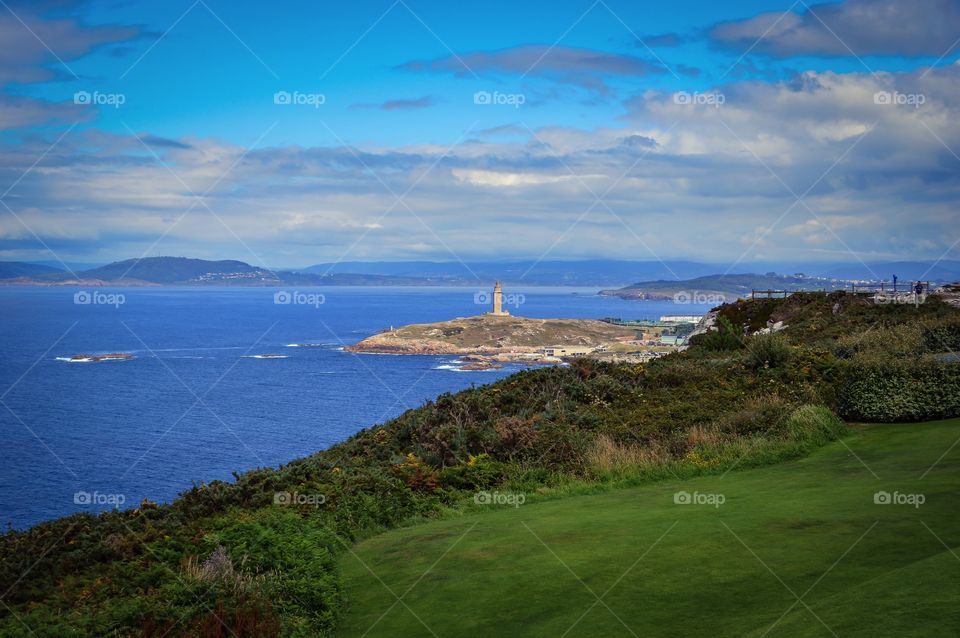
<point x="309" y="132"/>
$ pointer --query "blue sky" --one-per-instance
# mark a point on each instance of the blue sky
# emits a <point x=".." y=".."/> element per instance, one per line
<point x="735" y="131"/>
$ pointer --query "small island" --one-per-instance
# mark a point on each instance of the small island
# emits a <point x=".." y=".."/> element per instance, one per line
<point x="498" y="337"/>
<point x="94" y="358"/>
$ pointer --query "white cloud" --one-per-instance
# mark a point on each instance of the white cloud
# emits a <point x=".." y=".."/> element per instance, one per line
<point x="686" y="180"/>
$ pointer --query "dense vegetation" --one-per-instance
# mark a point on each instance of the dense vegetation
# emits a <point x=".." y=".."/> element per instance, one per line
<point x="257" y="557"/>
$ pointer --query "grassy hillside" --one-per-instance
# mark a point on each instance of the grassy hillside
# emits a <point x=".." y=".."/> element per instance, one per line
<point x="810" y="527"/>
<point x="258" y="556"/>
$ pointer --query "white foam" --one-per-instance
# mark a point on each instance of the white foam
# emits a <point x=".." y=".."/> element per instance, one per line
<point x="94" y="359"/>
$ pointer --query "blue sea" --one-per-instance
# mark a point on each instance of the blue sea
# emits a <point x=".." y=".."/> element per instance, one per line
<point x="199" y="400"/>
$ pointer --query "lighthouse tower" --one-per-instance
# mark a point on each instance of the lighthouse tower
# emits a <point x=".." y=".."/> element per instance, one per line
<point x="498" y="310"/>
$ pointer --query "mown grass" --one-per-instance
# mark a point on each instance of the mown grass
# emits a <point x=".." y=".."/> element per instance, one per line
<point x="806" y="529"/>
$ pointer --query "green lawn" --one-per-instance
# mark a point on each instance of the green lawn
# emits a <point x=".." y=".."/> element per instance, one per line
<point x="798" y="549"/>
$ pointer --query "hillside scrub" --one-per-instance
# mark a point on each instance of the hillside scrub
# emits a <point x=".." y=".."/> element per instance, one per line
<point x="239" y="558"/>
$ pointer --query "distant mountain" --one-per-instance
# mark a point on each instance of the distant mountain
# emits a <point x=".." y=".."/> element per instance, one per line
<point x="616" y="273"/>
<point x="14" y="269"/>
<point x="593" y="272"/>
<point x="185" y="271"/>
<point x="654" y="276"/>
<point x="719" y="288"/>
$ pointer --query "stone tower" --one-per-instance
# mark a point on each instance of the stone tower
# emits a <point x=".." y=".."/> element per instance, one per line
<point x="498" y="310"/>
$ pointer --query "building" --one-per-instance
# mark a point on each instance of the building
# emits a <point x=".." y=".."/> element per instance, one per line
<point x="566" y="351"/>
<point x="498" y="310"/>
<point x="681" y="318"/>
<point x="670" y="340"/>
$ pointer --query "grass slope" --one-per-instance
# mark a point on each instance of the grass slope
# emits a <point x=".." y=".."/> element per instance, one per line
<point x="807" y="529"/>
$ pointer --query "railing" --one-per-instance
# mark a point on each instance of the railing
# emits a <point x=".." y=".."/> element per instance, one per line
<point x="889" y="287"/>
<point x="771" y="294"/>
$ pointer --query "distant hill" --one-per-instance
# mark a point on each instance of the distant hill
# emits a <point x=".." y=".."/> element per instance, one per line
<point x="717" y="288"/>
<point x="617" y="273"/>
<point x="592" y="272"/>
<point x="654" y="276"/>
<point x="172" y="270"/>
<point x="904" y="270"/>
<point x="184" y="271"/>
<point x="14" y="269"/>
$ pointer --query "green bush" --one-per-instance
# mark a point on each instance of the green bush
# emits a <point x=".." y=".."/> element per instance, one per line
<point x="897" y="391"/>
<point x="768" y="351"/>
<point x="478" y="472"/>
<point x="943" y="336"/>
<point x="814" y="424"/>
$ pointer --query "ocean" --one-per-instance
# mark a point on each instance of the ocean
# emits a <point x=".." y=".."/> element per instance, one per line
<point x="222" y="380"/>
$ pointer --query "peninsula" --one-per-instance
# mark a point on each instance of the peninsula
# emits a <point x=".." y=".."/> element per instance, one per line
<point x="497" y="336"/>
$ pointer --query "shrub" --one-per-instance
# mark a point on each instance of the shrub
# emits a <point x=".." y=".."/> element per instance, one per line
<point x="759" y="414"/>
<point x="815" y="424"/>
<point x="478" y="472"/>
<point x="768" y="351"/>
<point x="943" y="336"/>
<point x="295" y="557"/>
<point x="901" y="390"/>
<point x="515" y="435"/>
